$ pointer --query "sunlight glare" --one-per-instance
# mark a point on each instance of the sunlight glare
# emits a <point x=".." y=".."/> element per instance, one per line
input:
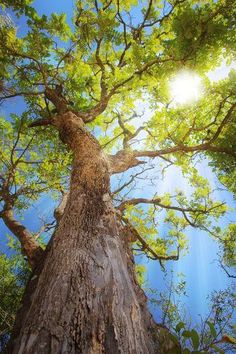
<point x="185" y="88"/>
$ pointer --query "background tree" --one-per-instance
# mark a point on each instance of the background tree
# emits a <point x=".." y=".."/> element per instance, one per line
<point x="215" y="332"/>
<point x="83" y="81"/>
<point x="13" y="275"/>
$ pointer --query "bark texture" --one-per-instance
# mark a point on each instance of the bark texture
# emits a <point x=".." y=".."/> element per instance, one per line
<point x="122" y="161"/>
<point x="83" y="297"/>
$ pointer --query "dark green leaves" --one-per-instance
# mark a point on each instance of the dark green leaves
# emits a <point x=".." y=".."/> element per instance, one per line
<point x="179" y="326"/>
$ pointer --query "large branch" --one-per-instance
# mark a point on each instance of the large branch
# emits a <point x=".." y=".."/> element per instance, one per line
<point x="135" y="201"/>
<point x="208" y="146"/>
<point x="95" y="111"/>
<point x="122" y="161"/>
<point x="126" y="159"/>
<point x="186" y="149"/>
<point x="223" y="123"/>
<point x="157" y="201"/>
<point x="105" y="97"/>
<point x="6" y="96"/>
<point x="29" y="246"/>
<point x="55" y="96"/>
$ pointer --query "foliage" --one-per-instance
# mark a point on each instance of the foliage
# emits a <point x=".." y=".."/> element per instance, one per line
<point x="29" y="162"/>
<point x="13" y="276"/>
<point x="228" y="243"/>
<point x="113" y="60"/>
<point x="215" y="332"/>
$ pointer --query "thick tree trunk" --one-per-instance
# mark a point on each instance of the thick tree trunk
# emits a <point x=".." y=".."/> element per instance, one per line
<point x="83" y="297"/>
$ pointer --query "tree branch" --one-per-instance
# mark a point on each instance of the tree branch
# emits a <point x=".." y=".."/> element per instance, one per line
<point x="223" y="123"/>
<point x="29" y="245"/>
<point x="126" y="159"/>
<point x="132" y="178"/>
<point x="122" y="161"/>
<point x="22" y="93"/>
<point x="157" y="201"/>
<point x="40" y="123"/>
<point x="135" y="201"/>
<point x="226" y="271"/>
<point x="145" y="246"/>
<point x="184" y="148"/>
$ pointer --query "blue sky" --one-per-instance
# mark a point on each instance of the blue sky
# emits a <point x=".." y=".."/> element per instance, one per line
<point x="202" y="274"/>
<point x="199" y="266"/>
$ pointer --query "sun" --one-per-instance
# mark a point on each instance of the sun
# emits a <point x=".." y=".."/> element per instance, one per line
<point x="185" y="88"/>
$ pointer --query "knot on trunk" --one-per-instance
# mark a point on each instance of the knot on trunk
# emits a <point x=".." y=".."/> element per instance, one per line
<point x="55" y="96"/>
<point x="70" y="127"/>
<point x="58" y="212"/>
<point x="122" y="161"/>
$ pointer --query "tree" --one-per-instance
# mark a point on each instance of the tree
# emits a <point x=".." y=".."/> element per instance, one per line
<point x="215" y="332"/>
<point x="83" y="82"/>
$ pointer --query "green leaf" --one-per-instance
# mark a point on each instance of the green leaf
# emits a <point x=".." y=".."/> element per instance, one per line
<point x="186" y="351"/>
<point x="217" y="349"/>
<point x="187" y="334"/>
<point x="174" y="339"/>
<point x="195" y="339"/>
<point x="212" y="329"/>
<point x="179" y="326"/>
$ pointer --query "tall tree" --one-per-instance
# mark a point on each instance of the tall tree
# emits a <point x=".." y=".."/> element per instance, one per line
<point x="83" y="81"/>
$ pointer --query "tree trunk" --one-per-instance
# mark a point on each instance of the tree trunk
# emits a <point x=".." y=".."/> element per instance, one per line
<point x="83" y="297"/>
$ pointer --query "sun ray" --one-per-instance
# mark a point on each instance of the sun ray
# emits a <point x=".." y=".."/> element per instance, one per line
<point x="185" y="87"/>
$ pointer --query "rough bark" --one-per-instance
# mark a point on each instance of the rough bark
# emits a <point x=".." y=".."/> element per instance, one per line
<point x="83" y="297"/>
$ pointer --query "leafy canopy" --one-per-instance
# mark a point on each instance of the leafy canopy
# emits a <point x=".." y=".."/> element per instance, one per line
<point x="115" y="52"/>
<point x="111" y="65"/>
